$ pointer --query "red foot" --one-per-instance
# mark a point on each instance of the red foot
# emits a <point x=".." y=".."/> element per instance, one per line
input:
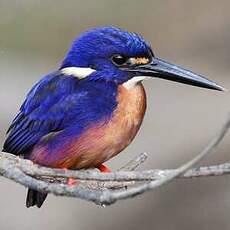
<point x="104" y="168"/>
<point x="70" y="181"/>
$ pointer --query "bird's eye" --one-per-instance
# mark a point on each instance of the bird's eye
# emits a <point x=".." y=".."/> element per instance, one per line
<point x="118" y="59"/>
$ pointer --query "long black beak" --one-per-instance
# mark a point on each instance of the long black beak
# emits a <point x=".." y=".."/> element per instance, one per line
<point x="162" y="69"/>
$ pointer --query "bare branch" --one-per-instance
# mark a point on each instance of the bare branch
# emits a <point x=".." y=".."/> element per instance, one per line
<point x="134" y="163"/>
<point x="106" y="188"/>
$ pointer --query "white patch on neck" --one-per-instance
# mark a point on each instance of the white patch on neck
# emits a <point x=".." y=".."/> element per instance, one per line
<point x="133" y="82"/>
<point x="78" y="72"/>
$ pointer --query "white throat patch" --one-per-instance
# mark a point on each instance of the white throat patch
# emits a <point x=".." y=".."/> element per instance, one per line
<point x="133" y="82"/>
<point x="78" y="72"/>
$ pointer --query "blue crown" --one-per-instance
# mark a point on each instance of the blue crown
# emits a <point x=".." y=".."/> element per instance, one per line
<point x="103" y="42"/>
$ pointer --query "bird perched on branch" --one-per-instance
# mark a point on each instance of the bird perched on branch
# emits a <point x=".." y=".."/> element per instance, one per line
<point x="92" y="107"/>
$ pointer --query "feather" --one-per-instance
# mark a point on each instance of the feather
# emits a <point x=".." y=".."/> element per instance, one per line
<point x="55" y="103"/>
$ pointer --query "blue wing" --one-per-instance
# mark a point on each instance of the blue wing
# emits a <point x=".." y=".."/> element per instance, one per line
<point x="48" y="107"/>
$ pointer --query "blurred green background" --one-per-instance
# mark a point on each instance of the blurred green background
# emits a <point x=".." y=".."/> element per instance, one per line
<point x="180" y="120"/>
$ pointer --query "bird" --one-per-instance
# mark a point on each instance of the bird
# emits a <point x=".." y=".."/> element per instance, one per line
<point x="90" y="108"/>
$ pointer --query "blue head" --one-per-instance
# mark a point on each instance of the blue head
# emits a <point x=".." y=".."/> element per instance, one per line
<point x="105" y="50"/>
<point x="111" y="54"/>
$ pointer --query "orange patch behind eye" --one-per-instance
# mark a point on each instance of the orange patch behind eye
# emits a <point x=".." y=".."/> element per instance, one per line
<point x="141" y="60"/>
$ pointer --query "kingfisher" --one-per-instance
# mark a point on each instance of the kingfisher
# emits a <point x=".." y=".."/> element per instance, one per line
<point x="92" y="106"/>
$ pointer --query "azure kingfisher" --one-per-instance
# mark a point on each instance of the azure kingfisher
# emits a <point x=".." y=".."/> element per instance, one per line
<point x="92" y="107"/>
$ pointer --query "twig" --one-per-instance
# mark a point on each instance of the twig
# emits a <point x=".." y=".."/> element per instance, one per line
<point x="50" y="180"/>
<point x="134" y="163"/>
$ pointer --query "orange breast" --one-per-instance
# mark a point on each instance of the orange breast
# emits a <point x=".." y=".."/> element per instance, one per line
<point x="104" y="140"/>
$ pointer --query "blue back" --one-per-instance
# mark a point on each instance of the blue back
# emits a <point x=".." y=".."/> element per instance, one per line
<point x="60" y="102"/>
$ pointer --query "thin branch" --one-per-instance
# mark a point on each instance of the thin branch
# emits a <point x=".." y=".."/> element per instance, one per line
<point x="106" y="188"/>
<point x="42" y="172"/>
<point x="131" y="192"/>
<point x="135" y="163"/>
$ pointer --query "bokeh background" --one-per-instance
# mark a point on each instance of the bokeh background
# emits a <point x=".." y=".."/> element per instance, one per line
<point x="180" y="120"/>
